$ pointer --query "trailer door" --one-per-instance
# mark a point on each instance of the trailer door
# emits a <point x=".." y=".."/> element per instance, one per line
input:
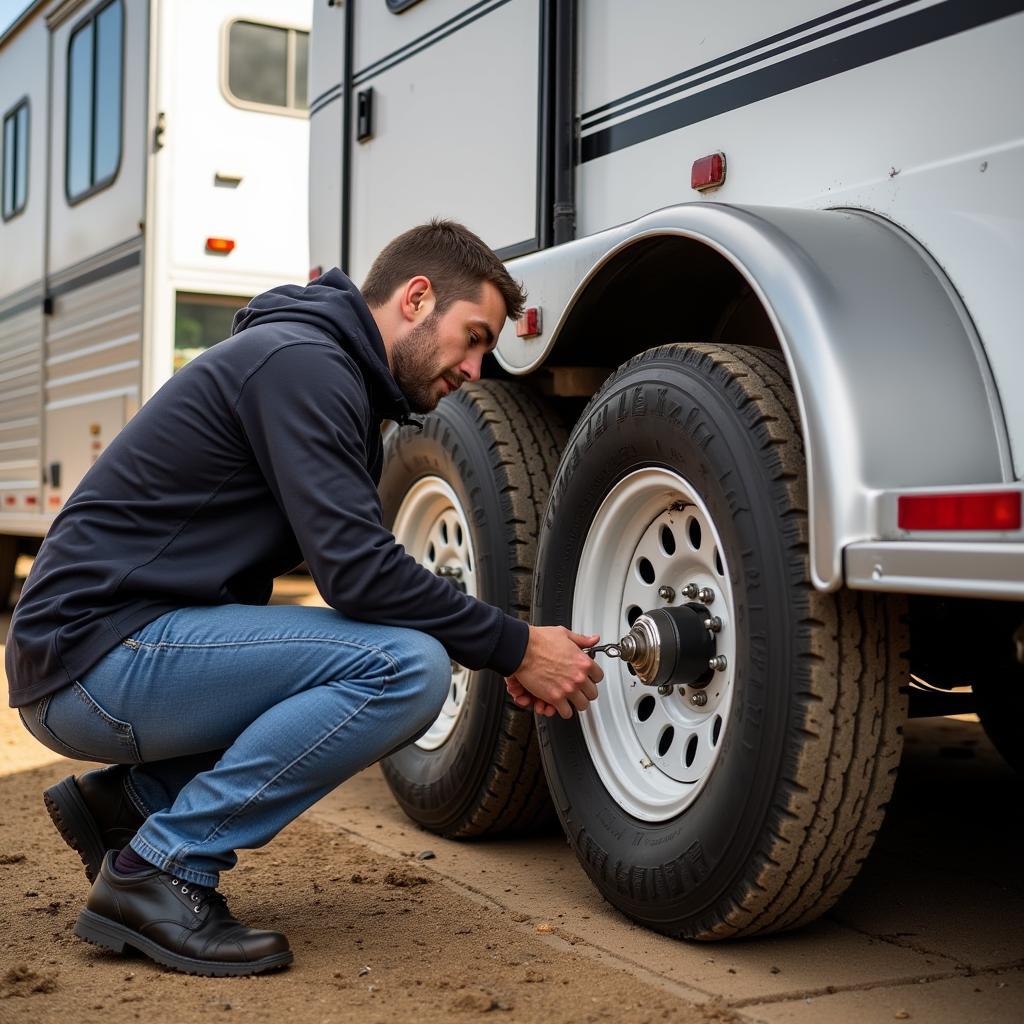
<point x="451" y="96"/>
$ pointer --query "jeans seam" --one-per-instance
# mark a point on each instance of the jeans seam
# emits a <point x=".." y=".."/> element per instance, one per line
<point x="40" y="714"/>
<point x="188" y="847"/>
<point x="124" y="729"/>
<point x="275" y="640"/>
<point x="135" y="797"/>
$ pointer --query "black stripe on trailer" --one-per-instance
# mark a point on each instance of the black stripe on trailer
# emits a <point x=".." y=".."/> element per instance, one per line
<point x="647" y="90"/>
<point x="866" y="47"/>
<point x="653" y="95"/>
<point x="425" y="41"/>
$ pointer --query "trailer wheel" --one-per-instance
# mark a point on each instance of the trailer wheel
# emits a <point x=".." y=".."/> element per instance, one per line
<point x="465" y="497"/>
<point x="745" y="805"/>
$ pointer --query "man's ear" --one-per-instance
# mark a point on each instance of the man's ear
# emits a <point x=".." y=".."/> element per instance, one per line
<point x="417" y="299"/>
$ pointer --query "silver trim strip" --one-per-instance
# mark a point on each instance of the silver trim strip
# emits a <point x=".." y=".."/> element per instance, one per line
<point x="964" y="569"/>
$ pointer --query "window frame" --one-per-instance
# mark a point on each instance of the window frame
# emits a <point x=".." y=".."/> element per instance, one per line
<point x="264" y="108"/>
<point x="26" y="102"/>
<point x="96" y="186"/>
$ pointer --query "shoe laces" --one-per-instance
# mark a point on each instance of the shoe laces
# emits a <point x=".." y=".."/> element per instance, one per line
<point x="199" y="895"/>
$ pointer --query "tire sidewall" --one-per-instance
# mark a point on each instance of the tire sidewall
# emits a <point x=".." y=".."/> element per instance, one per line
<point x="443" y="783"/>
<point x="663" y="410"/>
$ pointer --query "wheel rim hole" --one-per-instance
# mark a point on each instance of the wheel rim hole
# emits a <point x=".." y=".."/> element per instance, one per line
<point x="668" y="541"/>
<point x="632" y="615"/>
<point x="645" y="708"/>
<point x="716" y="731"/>
<point x="665" y="740"/>
<point x="431" y="553"/>
<point x="444" y="532"/>
<point x="455" y="691"/>
<point x="469" y="562"/>
<point x="458" y="535"/>
<point x="646" y="571"/>
<point x="691" y="749"/>
<point x="719" y="568"/>
<point x="693" y="532"/>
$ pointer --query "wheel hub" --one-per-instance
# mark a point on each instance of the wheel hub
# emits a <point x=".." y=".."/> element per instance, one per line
<point x="654" y="746"/>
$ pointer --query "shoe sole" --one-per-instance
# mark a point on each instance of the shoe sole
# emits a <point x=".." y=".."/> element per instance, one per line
<point x="101" y="931"/>
<point x="73" y="820"/>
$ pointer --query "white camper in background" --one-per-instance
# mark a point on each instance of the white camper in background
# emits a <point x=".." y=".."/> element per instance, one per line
<point x="768" y="389"/>
<point x="154" y="178"/>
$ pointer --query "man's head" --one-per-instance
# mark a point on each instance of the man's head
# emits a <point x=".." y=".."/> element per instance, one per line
<point x="439" y="296"/>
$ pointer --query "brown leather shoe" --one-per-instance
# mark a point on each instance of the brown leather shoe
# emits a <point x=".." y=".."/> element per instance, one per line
<point x="93" y="814"/>
<point x="177" y="924"/>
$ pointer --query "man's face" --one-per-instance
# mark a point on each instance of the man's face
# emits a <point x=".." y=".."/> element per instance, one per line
<point x="440" y="353"/>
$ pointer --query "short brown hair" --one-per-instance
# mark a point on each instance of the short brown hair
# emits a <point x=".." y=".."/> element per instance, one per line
<point x="456" y="261"/>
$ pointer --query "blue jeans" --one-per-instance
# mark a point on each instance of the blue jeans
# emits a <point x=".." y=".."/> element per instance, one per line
<point x="236" y="718"/>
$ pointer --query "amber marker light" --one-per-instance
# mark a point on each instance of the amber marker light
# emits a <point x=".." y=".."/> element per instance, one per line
<point x="220" y="246"/>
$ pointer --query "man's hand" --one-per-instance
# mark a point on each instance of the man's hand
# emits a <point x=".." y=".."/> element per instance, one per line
<point x="555" y="674"/>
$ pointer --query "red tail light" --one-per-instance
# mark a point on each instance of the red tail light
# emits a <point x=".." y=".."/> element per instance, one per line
<point x="986" y="510"/>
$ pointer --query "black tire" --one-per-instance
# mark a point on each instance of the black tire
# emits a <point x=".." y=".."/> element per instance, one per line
<point x="497" y="447"/>
<point x="812" y="740"/>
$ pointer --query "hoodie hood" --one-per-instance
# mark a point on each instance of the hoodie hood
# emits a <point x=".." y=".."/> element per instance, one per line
<point x="333" y="304"/>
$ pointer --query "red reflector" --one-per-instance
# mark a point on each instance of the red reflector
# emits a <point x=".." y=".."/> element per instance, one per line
<point x="221" y="246"/>
<point x="991" y="510"/>
<point x="30" y="499"/>
<point x="315" y="272"/>
<point x="54" y="500"/>
<point x="708" y="172"/>
<point x="9" y="499"/>
<point x="529" y="324"/>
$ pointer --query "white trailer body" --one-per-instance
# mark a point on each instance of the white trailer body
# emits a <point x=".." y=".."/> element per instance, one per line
<point x="772" y="254"/>
<point x="106" y="278"/>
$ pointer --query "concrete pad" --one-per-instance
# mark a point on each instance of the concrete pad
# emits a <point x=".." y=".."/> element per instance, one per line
<point x="984" y="999"/>
<point x="944" y="876"/>
<point x="539" y="882"/>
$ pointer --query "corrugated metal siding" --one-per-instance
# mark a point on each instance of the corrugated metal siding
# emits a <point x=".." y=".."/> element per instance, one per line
<point x="21" y="338"/>
<point x="93" y="341"/>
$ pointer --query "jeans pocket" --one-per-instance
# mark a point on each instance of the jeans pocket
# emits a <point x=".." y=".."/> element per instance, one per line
<point x="72" y="723"/>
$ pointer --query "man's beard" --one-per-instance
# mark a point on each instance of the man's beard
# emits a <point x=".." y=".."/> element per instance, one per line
<point x="415" y="366"/>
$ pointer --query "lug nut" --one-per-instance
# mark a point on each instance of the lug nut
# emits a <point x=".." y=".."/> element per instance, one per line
<point x="666" y="691"/>
<point x="667" y="594"/>
<point x="713" y="625"/>
<point x="718" y="663"/>
<point x="450" y="570"/>
<point x="690" y="591"/>
<point x="698" y="699"/>
<point x="705" y="595"/>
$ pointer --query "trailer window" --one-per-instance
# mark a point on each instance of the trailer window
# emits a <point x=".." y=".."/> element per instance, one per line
<point x="15" y="157"/>
<point x="200" y="321"/>
<point x="95" y="87"/>
<point x="267" y="67"/>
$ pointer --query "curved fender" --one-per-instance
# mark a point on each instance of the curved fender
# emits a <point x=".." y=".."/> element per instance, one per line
<point x="892" y="382"/>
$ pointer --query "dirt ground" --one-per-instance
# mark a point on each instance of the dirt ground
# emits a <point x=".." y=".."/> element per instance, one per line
<point x="375" y="940"/>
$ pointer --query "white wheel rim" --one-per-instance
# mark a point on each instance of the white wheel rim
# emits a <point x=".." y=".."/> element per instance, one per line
<point x="653" y="753"/>
<point x="432" y="526"/>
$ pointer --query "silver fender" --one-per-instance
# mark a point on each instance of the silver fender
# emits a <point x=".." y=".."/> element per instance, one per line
<point x="892" y="381"/>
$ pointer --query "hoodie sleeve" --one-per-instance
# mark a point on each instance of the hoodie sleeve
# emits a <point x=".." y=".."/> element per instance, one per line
<point x="305" y="413"/>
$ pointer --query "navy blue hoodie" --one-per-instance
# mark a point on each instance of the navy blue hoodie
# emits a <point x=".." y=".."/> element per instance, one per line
<point x="263" y="451"/>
